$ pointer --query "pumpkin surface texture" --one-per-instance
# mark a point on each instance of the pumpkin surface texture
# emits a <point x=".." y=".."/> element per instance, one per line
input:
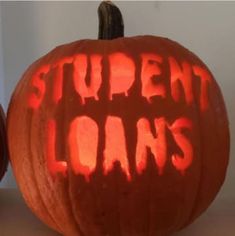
<point x="3" y="145"/>
<point x="118" y="137"/>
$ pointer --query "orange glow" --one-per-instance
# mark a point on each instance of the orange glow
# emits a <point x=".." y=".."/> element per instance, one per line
<point x="84" y="132"/>
<point x="38" y="91"/>
<point x="115" y="145"/>
<point x="205" y="80"/>
<point x="58" y="78"/>
<point x="54" y="166"/>
<point x="80" y="72"/>
<point x="181" y="163"/>
<point x="83" y="145"/>
<point x="157" y="145"/>
<point x="83" y="142"/>
<point x="151" y="69"/>
<point x="122" y="73"/>
<point x="183" y="76"/>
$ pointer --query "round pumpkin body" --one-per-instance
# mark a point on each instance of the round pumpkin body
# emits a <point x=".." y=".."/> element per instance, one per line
<point x="118" y="137"/>
<point x="3" y="145"/>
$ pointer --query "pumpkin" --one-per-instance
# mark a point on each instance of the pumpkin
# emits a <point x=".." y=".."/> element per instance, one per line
<point x="3" y="149"/>
<point x="118" y="136"/>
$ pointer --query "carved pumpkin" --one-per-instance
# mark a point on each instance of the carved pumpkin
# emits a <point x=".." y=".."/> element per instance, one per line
<point x="3" y="149"/>
<point x="118" y="137"/>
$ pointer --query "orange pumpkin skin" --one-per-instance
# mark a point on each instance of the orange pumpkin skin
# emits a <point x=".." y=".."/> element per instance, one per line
<point x="148" y="196"/>
<point x="3" y="148"/>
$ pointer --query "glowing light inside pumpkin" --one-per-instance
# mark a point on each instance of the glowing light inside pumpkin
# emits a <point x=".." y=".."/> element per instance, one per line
<point x="157" y="144"/>
<point x="122" y="73"/>
<point x="150" y="70"/>
<point x="84" y="132"/>
<point x="83" y="142"/>
<point x="87" y="78"/>
<point x="90" y="88"/>
<point x="181" y="163"/>
<point x="115" y="146"/>
<point x="205" y="80"/>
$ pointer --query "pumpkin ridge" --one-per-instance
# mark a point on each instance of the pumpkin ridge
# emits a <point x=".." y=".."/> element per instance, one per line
<point x="78" y="224"/>
<point x="37" y="184"/>
<point x="216" y="92"/>
<point x="196" y="104"/>
<point x="67" y="194"/>
<point x="201" y="155"/>
<point x="28" y="199"/>
<point x="166" y="44"/>
<point x="19" y="89"/>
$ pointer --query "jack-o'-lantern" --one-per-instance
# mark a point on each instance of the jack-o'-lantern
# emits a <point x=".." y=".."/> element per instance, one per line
<point x="3" y="145"/>
<point x="118" y="136"/>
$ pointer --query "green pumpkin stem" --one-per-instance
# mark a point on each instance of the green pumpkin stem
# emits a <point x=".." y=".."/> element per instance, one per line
<point x="110" y="21"/>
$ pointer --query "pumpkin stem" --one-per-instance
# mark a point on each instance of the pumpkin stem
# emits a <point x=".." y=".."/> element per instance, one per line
<point x="110" y="21"/>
